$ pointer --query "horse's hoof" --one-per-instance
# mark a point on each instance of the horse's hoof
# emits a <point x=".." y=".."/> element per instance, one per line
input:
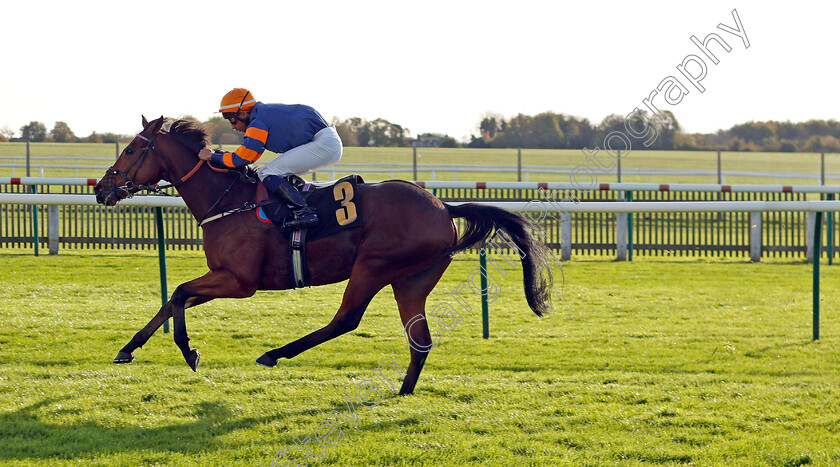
<point x="265" y="360"/>
<point x="124" y="357"/>
<point x="192" y="359"/>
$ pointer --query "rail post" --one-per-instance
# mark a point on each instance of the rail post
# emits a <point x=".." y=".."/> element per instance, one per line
<point x="621" y="236"/>
<point x="811" y="249"/>
<point x="485" y="306"/>
<point x="816" y="288"/>
<point x="35" y="238"/>
<point x="414" y="164"/>
<point x="34" y="210"/>
<point x="161" y="238"/>
<point x="618" y="166"/>
<point x="755" y="229"/>
<point x="565" y="236"/>
<point x="52" y="228"/>
<point x="629" y="198"/>
<point x="829" y="232"/>
<point x="822" y="168"/>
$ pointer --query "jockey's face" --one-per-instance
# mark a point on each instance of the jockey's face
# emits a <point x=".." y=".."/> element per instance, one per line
<point x="238" y="124"/>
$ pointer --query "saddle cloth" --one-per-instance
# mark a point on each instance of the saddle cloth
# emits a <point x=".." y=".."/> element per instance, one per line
<point x="337" y="204"/>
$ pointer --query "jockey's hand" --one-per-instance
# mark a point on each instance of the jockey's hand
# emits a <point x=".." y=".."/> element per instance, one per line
<point x="205" y="154"/>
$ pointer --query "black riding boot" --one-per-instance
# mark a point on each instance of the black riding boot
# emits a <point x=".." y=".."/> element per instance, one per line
<point x="304" y="215"/>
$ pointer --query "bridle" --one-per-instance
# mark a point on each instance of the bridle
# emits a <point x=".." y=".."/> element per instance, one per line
<point x="130" y="187"/>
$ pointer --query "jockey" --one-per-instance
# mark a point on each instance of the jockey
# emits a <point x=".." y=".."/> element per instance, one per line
<point x="298" y="133"/>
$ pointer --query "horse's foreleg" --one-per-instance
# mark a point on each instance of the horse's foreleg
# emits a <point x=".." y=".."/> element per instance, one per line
<point x="215" y="284"/>
<point x="126" y="354"/>
<point x="195" y="301"/>
<point x="182" y="340"/>
<point x="180" y="330"/>
<point x="220" y="283"/>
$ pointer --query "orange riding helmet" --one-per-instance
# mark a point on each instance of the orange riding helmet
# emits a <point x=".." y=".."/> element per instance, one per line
<point x="237" y="100"/>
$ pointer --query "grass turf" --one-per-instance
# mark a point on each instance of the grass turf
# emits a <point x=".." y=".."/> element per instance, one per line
<point x="669" y="362"/>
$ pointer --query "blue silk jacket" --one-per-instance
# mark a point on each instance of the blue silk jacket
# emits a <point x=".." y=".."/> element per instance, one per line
<point x="276" y="127"/>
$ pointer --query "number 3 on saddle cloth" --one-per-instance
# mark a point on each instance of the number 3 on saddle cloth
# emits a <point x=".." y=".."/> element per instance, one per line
<point x="336" y="203"/>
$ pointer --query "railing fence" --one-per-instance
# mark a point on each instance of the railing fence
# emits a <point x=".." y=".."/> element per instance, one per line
<point x="727" y="234"/>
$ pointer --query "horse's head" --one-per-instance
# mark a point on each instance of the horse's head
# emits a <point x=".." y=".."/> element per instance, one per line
<point x="139" y="164"/>
<point x="152" y="156"/>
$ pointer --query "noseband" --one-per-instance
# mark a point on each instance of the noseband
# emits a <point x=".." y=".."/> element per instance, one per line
<point x="138" y="162"/>
<point x="130" y="187"/>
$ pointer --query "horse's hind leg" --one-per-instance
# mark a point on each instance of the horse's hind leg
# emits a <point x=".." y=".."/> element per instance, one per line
<point x="361" y="288"/>
<point x="411" y="294"/>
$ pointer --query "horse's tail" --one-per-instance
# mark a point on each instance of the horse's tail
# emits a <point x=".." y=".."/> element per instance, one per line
<point x="482" y="221"/>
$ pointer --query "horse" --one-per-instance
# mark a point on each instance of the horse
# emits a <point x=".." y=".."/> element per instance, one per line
<point x="407" y="240"/>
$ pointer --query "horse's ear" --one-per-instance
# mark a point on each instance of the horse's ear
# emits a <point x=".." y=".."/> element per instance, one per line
<point x="145" y="122"/>
<point x="155" y="126"/>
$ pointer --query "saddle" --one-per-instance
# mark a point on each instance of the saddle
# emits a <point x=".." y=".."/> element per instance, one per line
<point x="336" y="203"/>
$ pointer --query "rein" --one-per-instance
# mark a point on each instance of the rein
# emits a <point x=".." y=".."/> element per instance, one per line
<point x="130" y="188"/>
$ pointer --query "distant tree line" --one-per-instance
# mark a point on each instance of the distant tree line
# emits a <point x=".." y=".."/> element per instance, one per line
<point x="542" y="131"/>
<point x="36" y="132"/>
<point x="770" y="136"/>
<point x="558" y="131"/>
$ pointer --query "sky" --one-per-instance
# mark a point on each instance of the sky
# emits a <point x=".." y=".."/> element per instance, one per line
<point x="431" y="66"/>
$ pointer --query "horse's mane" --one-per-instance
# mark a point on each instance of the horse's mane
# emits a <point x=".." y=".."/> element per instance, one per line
<point x="194" y="137"/>
<point x="190" y="133"/>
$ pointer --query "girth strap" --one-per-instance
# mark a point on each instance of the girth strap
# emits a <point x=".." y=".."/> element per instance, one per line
<point x="299" y="270"/>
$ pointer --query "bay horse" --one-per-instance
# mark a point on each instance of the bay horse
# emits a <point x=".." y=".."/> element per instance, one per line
<point x="407" y="240"/>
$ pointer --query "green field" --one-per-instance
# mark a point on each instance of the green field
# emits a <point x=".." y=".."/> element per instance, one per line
<point x="745" y="162"/>
<point x="663" y="362"/>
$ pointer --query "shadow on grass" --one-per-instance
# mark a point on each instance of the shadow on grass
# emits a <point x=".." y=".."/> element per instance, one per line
<point x="803" y="344"/>
<point x="25" y="435"/>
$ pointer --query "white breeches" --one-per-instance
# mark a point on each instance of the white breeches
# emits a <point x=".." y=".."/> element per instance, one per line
<point x="325" y="149"/>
